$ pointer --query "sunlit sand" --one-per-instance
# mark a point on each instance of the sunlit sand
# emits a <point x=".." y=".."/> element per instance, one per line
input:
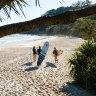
<point x="19" y="75"/>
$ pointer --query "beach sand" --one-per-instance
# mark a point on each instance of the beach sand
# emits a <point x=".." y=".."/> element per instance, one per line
<point x="19" y="75"/>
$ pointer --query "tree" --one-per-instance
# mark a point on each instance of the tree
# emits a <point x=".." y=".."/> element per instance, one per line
<point x="80" y="4"/>
<point x="64" y="18"/>
<point x="86" y="27"/>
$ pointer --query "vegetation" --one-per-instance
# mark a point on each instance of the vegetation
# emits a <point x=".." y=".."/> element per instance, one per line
<point x="8" y="5"/>
<point x="87" y="27"/>
<point x="83" y="64"/>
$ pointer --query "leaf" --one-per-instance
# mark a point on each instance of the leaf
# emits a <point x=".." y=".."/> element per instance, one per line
<point x="24" y="2"/>
<point x="6" y="11"/>
<point x="11" y="5"/>
<point x="19" y="4"/>
<point x="15" y="10"/>
<point x="22" y="11"/>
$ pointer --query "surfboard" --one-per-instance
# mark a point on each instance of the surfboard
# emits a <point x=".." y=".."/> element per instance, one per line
<point x="59" y="52"/>
<point x="43" y="53"/>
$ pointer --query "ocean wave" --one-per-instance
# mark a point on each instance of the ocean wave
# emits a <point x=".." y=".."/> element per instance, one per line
<point x="19" y="38"/>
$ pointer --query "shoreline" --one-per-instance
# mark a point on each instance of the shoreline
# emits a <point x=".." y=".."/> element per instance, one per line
<point x="20" y="76"/>
<point x="26" y="44"/>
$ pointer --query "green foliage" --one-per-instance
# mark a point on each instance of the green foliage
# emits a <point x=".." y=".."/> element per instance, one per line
<point x="83" y="64"/>
<point x="12" y="6"/>
<point x="87" y="27"/>
<point x="92" y="17"/>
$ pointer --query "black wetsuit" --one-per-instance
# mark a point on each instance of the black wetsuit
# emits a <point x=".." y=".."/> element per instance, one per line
<point x="55" y="52"/>
<point x="34" y="51"/>
<point x="39" y="50"/>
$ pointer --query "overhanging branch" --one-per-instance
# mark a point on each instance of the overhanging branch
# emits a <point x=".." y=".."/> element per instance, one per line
<point x="64" y="18"/>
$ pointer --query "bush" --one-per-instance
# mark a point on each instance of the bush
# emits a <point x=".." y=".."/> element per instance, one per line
<point x="83" y="64"/>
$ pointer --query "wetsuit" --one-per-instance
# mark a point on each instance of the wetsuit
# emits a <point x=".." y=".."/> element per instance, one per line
<point x="55" y="52"/>
<point x="39" y="50"/>
<point x="34" y="51"/>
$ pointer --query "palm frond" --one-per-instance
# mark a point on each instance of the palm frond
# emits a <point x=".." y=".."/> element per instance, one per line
<point x="15" y="10"/>
<point x="20" y="7"/>
<point x="23" y="1"/>
<point x="12" y="6"/>
<point x="6" y="11"/>
<point x="37" y="3"/>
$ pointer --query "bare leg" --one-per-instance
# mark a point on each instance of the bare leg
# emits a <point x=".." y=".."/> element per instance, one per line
<point x="34" y="57"/>
<point x="56" y="60"/>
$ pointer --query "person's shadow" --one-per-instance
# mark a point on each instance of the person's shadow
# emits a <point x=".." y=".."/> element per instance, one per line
<point x="27" y="64"/>
<point x="50" y="65"/>
<point x="31" y="69"/>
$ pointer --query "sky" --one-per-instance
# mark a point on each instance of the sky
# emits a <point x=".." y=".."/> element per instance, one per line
<point x="33" y="11"/>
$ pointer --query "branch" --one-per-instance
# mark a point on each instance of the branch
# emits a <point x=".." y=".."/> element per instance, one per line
<point x="64" y="18"/>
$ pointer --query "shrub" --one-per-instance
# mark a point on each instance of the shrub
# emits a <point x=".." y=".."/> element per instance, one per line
<point x="83" y="65"/>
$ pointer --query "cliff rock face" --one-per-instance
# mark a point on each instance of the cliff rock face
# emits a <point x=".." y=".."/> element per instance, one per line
<point x="67" y="30"/>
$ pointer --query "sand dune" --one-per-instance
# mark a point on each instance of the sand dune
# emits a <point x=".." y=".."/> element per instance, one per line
<point x="19" y="75"/>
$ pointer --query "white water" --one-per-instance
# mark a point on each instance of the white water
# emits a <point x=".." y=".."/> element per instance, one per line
<point x="19" y="38"/>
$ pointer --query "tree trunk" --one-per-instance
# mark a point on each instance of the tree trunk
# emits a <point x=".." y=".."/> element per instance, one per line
<point x="64" y="18"/>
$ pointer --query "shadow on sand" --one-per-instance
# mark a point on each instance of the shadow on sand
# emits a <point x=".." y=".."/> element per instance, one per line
<point x="27" y="64"/>
<point x="72" y="90"/>
<point x="50" y="65"/>
<point x="31" y="69"/>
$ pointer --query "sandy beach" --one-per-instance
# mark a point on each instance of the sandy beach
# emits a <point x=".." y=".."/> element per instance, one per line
<point x="19" y="75"/>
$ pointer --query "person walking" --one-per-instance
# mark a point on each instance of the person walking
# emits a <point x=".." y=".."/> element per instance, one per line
<point x="55" y="54"/>
<point x="39" y="50"/>
<point x="34" y="53"/>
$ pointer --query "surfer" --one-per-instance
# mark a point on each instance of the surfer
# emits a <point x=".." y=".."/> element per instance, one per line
<point x="34" y="53"/>
<point x="39" y="50"/>
<point x="55" y="54"/>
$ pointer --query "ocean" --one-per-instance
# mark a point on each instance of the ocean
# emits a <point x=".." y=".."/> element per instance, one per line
<point x="19" y="38"/>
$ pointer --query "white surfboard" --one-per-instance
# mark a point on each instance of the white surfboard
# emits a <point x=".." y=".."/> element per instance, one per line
<point x="43" y="53"/>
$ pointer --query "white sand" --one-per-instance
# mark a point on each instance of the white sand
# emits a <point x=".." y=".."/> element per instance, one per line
<point x="19" y="75"/>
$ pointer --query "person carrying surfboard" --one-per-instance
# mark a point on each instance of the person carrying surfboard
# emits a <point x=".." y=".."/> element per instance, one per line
<point x="43" y="53"/>
<point x="55" y="54"/>
<point x="39" y="50"/>
<point x="34" y="53"/>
